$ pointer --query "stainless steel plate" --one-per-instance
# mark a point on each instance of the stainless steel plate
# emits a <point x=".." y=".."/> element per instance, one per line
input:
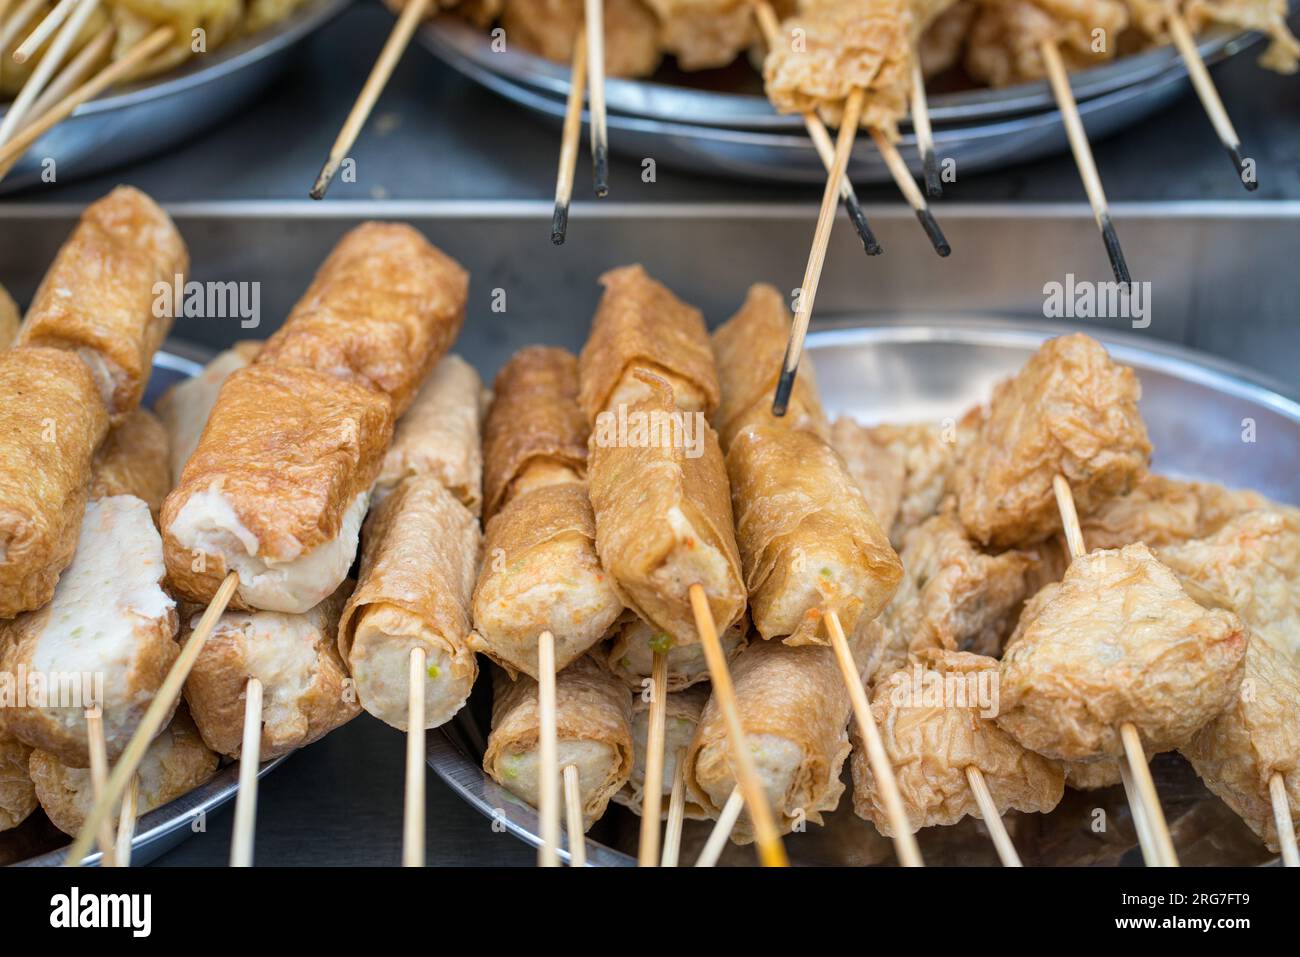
<point x="148" y="117"/>
<point x="1194" y="406"/>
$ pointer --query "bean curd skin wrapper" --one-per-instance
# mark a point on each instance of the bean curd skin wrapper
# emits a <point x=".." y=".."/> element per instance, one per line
<point x="629" y="653"/>
<point x="185" y="407"/>
<point x="17" y="792"/>
<point x="134" y="461"/>
<point x="682" y="717"/>
<point x="99" y="297"/>
<point x="51" y="421"/>
<point x="417" y="576"/>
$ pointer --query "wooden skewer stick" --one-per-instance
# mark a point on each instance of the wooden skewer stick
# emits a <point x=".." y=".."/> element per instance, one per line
<point x="413" y="814"/>
<point x="911" y="192"/>
<point x="569" y="140"/>
<point x="1209" y="94"/>
<point x="676" y="813"/>
<point x="817" y="255"/>
<point x="126" y="822"/>
<point x="157" y="714"/>
<point x="392" y="51"/>
<point x="4" y="8"/>
<point x="1282" y="817"/>
<point x="989" y="811"/>
<point x="21" y="17"/>
<point x="44" y="70"/>
<point x="1060" y="82"/>
<point x="652" y="792"/>
<point x="106" y="77"/>
<point x="924" y="133"/>
<point x="1150" y="853"/>
<point x="44" y="30"/>
<point x="909" y="855"/>
<point x="722" y="829"/>
<point x="573" y="817"/>
<point x="98" y="777"/>
<point x="241" y="843"/>
<point x="595" y="19"/>
<point x="771" y="853"/>
<point x="549" y="776"/>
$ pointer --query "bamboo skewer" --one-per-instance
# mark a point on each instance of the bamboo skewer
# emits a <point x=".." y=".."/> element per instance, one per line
<point x="44" y="70"/>
<point x="1141" y="825"/>
<point x="653" y="788"/>
<point x="573" y="817"/>
<point x="241" y="844"/>
<point x="45" y="29"/>
<point x="911" y="192"/>
<point x="924" y="133"/>
<point x="392" y="51"/>
<point x="10" y="29"/>
<point x="126" y="822"/>
<point x="413" y="812"/>
<point x="1282" y="817"/>
<point x="595" y="20"/>
<point x="549" y="776"/>
<point x="4" y="8"/>
<point x="76" y="71"/>
<point x="722" y="829"/>
<point x="989" y="811"/>
<point x="676" y="813"/>
<point x="98" y="777"/>
<point x="569" y="140"/>
<point x="1083" y="158"/>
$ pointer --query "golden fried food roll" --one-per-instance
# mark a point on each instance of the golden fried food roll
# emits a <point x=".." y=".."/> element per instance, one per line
<point x="750" y="350"/>
<point x="99" y="298"/>
<point x="134" y="461"/>
<point x="382" y="310"/>
<point x="185" y="407"/>
<point x="1118" y="640"/>
<point x="417" y="575"/>
<point x="683" y="712"/>
<point x="17" y="792"/>
<point x="305" y="689"/>
<point x="51" y="421"/>
<point x="1269" y="17"/>
<point x="107" y="638"/>
<point x="663" y="517"/>
<point x="936" y="720"/>
<point x="708" y="34"/>
<point x="1071" y="411"/>
<point x="641" y="325"/>
<point x="631" y="650"/>
<point x="8" y="318"/>
<point x="943" y="40"/>
<point x="878" y="470"/>
<point x="795" y="712"/>
<point x="535" y="433"/>
<point x="175" y="763"/>
<point x="540" y="573"/>
<point x="547" y="28"/>
<point x="808" y="542"/>
<point x="1004" y="45"/>
<point x="593" y="717"/>
<point x="277" y="488"/>
<point x="439" y="435"/>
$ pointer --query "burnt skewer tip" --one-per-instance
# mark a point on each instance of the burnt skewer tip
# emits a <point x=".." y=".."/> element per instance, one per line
<point x="931" y="227"/>
<point x="560" y="224"/>
<point x="323" y="180"/>
<point x="600" y="168"/>
<point x="784" y="386"/>
<point x="1239" y="164"/>
<point x="1114" y="250"/>
<point x="933" y="186"/>
<point x="859" y="220"/>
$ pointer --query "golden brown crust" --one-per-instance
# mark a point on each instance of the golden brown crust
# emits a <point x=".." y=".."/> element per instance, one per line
<point x="547" y="28"/>
<point x="879" y="470"/>
<point x="629" y="653"/>
<point x="1005" y="42"/>
<point x="99" y="293"/>
<point x="381" y="311"/>
<point x="534" y="417"/>
<point x="9" y="318"/>
<point x="51" y="421"/>
<point x="134" y="461"/>
<point x="17" y="793"/>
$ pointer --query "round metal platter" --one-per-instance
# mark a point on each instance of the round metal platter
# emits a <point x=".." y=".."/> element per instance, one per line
<point x="145" y="118"/>
<point x="925" y="370"/>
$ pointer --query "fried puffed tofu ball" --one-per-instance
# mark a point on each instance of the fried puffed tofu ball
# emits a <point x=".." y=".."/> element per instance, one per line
<point x="1118" y="640"/>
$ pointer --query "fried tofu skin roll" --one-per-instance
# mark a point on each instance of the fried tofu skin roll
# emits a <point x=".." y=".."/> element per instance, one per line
<point x="1161" y="511"/>
<point x="277" y="489"/>
<point x="1117" y="640"/>
<point x="750" y="351"/>
<point x="540" y="573"/>
<point x="593" y="716"/>
<point x="185" y="407"/>
<point x="175" y="763"/>
<point x="17" y="792"/>
<point x="795" y="712"/>
<point x="630" y="653"/>
<point x="663" y="520"/>
<point x="440" y="435"/>
<point x="106" y="638"/>
<point x="417" y="576"/>
<point x="936" y="720"/>
<point x="9" y="319"/>
<point x="1071" y="411"/>
<point x="640" y="324"/>
<point x="808" y="542"/>
<point x="134" y="461"/>
<point x="51" y="421"/>
<point x="684" y="710"/>
<point x="535" y="434"/>
<point x="382" y="310"/>
<point x="99" y="298"/>
<point x="305" y="689"/>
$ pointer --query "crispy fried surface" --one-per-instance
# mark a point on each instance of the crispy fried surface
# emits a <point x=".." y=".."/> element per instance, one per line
<point x="134" y="461"/>
<point x="1004" y="46"/>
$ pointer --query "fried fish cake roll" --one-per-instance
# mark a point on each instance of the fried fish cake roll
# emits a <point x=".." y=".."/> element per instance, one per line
<point x="175" y="763"/>
<point x="535" y="433"/>
<point x="750" y="350"/>
<point x="640" y="324"/>
<point x="1004" y="45"/>
<point x="9" y="319"/>
<point x="133" y="461"/>
<point x="99" y="299"/>
<point x="630" y="653"/>
<point x="683" y="712"/>
<point x="795" y="712"/>
<point x="51" y="421"/>
<point x="548" y="27"/>
<point x="17" y="792"/>
<point x="185" y="407"/>
<point x="440" y="435"/>
<point x="277" y="489"/>
<point x="809" y="544"/>
<point x="1161" y="511"/>
<point x="1071" y="411"/>
<point x="1118" y="640"/>
<point x="305" y="689"/>
<point x="879" y="471"/>
<point x="593" y="720"/>
<point x="382" y="310"/>
<point x="107" y="638"/>
<point x="417" y="576"/>
<point x="936" y="720"/>
<point x="663" y="517"/>
<point x="540" y="573"/>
